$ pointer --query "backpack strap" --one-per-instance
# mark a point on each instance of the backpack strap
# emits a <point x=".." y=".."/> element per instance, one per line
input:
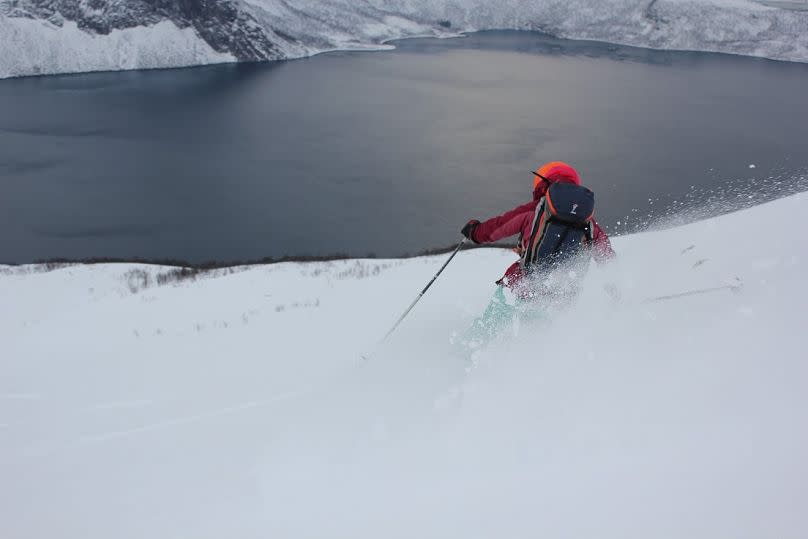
<point x="540" y="220"/>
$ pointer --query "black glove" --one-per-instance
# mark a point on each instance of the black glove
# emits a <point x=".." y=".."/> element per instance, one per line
<point x="468" y="230"/>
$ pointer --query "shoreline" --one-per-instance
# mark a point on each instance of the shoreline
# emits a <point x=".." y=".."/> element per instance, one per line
<point x="388" y="45"/>
<point x="52" y="264"/>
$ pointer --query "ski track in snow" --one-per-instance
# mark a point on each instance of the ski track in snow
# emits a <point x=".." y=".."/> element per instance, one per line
<point x="121" y="404"/>
<point x="41" y="451"/>
<point x="178" y="421"/>
<point x="23" y="396"/>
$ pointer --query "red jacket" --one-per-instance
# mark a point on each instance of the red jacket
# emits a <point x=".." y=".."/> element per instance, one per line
<point x="519" y="221"/>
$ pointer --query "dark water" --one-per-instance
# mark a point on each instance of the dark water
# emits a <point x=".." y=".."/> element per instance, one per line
<point x="385" y="152"/>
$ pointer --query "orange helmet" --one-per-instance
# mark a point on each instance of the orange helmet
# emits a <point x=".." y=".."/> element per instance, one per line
<point x="556" y="171"/>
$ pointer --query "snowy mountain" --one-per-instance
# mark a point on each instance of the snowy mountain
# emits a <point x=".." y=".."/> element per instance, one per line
<point x="141" y="401"/>
<point x="58" y="36"/>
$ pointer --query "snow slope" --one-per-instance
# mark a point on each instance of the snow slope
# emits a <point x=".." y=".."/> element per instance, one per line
<point x="234" y="405"/>
<point x="42" y="48"/>
<point x="57" y="36"/>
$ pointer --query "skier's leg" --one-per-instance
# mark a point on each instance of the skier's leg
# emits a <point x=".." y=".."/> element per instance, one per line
<point x="497" y="315"/>
<point x="533" y="311"/>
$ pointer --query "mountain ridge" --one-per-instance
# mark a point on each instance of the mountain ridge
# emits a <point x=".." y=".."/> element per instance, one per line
<point x="67" y="36"/>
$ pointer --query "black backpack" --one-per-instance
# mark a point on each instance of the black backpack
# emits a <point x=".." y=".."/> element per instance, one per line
<point x="562" y="227"/>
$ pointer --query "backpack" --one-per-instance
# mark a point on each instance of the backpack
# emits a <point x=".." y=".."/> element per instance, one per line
<point x="562" y="227"/>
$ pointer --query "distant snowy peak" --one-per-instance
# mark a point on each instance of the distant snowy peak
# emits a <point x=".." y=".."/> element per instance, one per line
<point x="56" y="36"/>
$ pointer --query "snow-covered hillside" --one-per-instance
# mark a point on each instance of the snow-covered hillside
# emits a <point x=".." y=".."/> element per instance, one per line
<point x="235" y="404"/>
<point x="58" y="36"/>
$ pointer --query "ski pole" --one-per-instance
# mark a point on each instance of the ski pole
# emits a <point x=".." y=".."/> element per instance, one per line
<point x="401" y="318"/>
<point x="734" y="287"/>
<point x="443" y="267"/>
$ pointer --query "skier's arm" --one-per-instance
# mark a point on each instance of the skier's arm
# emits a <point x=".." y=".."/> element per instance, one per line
<point x="502" y="226"/>
<point x="601" y="246"/>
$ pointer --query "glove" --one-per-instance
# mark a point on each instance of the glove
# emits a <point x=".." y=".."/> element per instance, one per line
<point x="468" y="230"/>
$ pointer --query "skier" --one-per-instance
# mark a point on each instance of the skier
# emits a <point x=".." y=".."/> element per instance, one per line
<point x="558" y="234"/>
